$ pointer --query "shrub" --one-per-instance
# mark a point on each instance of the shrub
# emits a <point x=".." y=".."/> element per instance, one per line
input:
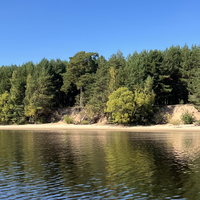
<point x="121" y="105"/>
<point x="84" y="122"/>
<point x="41" y="120"/>
<point x="173" y="122"/>
<point x="68" y="120"/>
<point x="22" y="120"/>
<point x="126" y="106"/>
<point x="187" y="118"/>
<point x="110" y="121"/>
<point x="169" y="118"/>
<point x="176" y="122"/>
<point x="158" y="117"/>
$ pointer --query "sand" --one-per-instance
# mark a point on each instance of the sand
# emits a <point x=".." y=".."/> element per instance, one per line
<point x="62" y="126"/>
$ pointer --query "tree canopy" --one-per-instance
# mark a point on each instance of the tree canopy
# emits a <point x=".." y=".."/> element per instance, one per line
<point x="28" y="93"/>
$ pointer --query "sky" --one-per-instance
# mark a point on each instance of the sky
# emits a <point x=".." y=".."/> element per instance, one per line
<point x="31" y="30"/>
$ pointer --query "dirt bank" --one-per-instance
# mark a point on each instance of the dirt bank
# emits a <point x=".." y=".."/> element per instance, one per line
<point x="175" y="112"/>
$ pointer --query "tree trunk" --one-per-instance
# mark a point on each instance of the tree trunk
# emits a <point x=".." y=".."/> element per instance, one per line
<point x="81" y="98"/>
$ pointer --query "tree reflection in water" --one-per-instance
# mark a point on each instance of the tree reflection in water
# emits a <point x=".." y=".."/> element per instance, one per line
<point x="99" y="164"/>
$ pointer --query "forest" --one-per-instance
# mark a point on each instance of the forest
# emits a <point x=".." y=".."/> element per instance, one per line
<point x="127" y="90"/>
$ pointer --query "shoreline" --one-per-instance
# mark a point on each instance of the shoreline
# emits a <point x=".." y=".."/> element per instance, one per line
<point x="71" y="127"/>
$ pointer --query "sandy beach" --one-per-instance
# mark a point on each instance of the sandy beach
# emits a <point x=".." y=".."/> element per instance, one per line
<point x="63" y="126"/>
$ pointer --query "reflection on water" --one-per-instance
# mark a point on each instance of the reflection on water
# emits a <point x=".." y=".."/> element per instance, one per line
<point x="99" y="165"/>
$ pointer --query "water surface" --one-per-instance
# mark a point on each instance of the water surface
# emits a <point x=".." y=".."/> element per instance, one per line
<point x="99" y="165"/>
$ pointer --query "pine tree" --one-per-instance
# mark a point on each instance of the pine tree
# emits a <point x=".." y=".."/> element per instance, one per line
<point x="30" y="108"/>
<point x="5" y="76"/>
<point x="57" y="69"/>
<point x="100" y="89"/>
<point x="136" y="70"/>
<point x="38" y="100"/>
<point x="193" y="80"/>
<point x="80" y="66"/>
<point x="116" y="64"/>
<point x="6" y="108"/>
<point x="170" y="76"/>
<point x="17" y="90"/>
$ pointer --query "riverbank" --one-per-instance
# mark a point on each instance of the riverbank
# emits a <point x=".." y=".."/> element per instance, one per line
<point x="63" y="126"/>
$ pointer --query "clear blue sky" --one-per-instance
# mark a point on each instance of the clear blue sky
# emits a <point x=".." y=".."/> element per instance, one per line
<point x="33" y="29"/>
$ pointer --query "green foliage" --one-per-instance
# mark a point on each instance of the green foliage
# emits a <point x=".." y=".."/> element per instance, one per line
<point x="18" y="83"/>
<point x="157" y="117"/>
<point x="17" y="92"/>
<point x="110" y="121"/>
<point x="197" y="107"/>
<point x="30" y="108"/>
<point x="192" y="74"/>
<point x="127" y="106"/>
<point x="56" y="69"/>
<point x="121" y="105"/>
<point x="5" y="76"/>
<point x="31" y="91"/>
<point x="84" y="122"/>
<point x="22" y="120"/>
<point x="169" y="118"/>
<point x="181" y="101"/>
<point x="171" y="121"/>
<point x="41" y="120"/>
<point x="117" y="75"/>
<point x="136" y="70"/>
<point x="112" y="72"/>
<point x="144" y="100"/>
<point x="175" y="122"/>
<point x="38" y="99"/>
<point x="187" y="118"/>
<point x="90" y="112"/>
<point x="79" y="71"/>
<point x="6" y="108"/>
<point x="99" y="91"/>
<point x="68" y="120"/>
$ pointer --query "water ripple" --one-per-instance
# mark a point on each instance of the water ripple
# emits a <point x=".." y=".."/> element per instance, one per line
<point x="99" y="165"/>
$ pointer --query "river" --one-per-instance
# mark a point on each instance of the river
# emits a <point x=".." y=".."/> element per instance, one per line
<point x="99" y="165"/>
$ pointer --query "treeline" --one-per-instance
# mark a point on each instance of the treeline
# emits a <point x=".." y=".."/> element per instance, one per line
<point x="28" y="93"/>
